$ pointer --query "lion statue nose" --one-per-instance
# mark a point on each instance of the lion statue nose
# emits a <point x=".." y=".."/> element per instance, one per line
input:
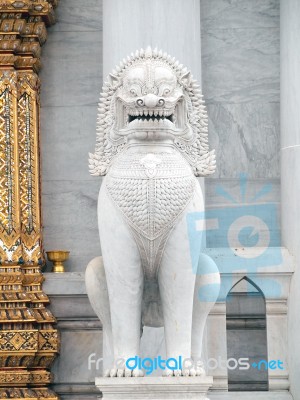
<point x="150" y="101"/>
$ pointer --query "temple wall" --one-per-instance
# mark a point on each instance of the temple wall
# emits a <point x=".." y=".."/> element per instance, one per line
<point x="72" y="79"/>
<point x="240" y="75"/>
<point x="240" y="80"/>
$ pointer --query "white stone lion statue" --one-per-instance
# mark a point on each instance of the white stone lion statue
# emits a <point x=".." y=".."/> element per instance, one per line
<point x="152" y="141"/>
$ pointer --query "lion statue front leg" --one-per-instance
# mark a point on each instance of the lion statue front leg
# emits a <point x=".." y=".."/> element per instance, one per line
<point x="177" y="284"/>
<point x="124" y="276"/>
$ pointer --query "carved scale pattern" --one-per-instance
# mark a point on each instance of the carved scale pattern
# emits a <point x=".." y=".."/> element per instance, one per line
<point x="142" y="186"/>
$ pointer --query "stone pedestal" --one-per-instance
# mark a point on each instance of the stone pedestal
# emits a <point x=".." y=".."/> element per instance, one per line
<point x="155" y="388"/>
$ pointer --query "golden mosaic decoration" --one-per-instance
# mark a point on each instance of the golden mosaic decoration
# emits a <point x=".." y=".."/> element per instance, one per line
<point x="29" y="342"/>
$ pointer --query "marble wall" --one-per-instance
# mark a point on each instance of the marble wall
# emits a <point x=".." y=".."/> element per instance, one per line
<point x="80" y="358"/>
<point x="71" y="82"/>
<point x="240" y="79"/>
<point x="240" y="75"/>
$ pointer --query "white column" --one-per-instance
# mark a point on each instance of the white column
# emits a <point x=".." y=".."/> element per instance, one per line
<point x="290" y="169"/>
<point x="277" y="338"/>
<point x="171" y="25"/>
<point x="216" y="346"/>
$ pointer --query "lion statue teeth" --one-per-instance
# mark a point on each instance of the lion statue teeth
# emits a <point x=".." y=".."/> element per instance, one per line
<point x="152" y="140"/>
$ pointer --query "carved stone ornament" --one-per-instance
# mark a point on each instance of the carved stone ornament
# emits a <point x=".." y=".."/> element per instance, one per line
<point x="152" y="140"/>
<point x="151" y="92"/>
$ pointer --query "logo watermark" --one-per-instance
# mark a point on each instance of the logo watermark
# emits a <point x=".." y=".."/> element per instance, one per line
<point x="247" y="230"/>
<point x="149" y="365"/>
<point x="94" y="363"/>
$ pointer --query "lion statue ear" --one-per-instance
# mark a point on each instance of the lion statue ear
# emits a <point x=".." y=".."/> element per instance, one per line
<point x="114" y="80"/>
<point x="186" y="78"/>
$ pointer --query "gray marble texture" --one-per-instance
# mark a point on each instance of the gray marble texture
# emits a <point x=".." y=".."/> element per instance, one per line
<point x="239" y="13"/>
<point x="70" y="220"/>
<point x="240" y="65"/>
<point x="81" y="336"/>
<point x="240" y="76"/>
<point x="246" y="137"/>
<point x="72" y="68"/>
<point x="68" y="134"/>
<point x="78" y="16"/>
<point x="71" y="82"/>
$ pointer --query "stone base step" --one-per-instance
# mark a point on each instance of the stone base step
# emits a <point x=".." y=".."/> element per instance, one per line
<point x="249" y="396"/>
<point x="155" y="388"/>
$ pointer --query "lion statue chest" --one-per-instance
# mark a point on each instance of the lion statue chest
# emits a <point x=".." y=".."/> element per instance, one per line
<point x="151" y="190"/>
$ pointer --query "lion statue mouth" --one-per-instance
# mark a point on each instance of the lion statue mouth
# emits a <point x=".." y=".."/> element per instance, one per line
<point x="169" y="120"/>
<point x="151" y="117"/>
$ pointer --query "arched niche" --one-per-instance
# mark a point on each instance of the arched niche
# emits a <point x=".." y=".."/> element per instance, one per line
<point x="246" y="337"/>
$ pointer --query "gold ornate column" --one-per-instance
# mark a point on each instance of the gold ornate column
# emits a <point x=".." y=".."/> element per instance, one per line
<point x="28" y="341"/>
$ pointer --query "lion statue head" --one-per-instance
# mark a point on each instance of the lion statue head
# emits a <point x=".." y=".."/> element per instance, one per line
<point x="151" y="97"/>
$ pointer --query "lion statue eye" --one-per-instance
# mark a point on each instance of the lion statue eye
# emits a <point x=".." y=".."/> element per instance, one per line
<point x="166" y="92"/>
<point x="133" y="92"/>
